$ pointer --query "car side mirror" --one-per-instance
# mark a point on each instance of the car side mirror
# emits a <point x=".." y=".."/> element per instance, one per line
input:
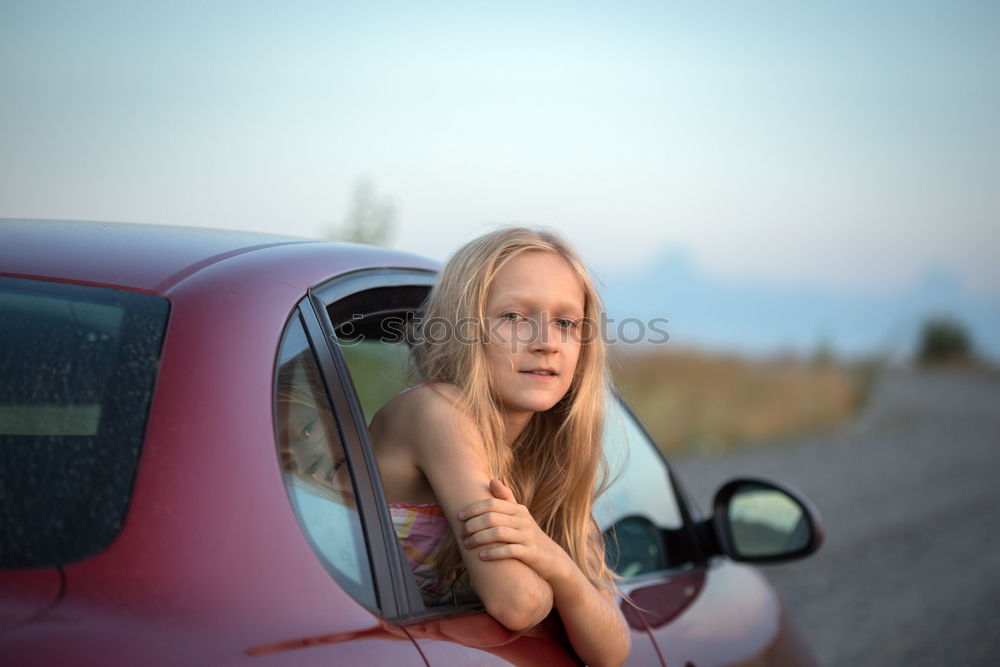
<point x="756" y="521"/>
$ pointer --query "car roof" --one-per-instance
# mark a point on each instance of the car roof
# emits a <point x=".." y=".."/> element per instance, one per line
<point x="156" y="258"/>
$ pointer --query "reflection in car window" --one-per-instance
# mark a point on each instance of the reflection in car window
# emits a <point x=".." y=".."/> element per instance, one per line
<point x="317" y="478"/>
<point x="639" y="511"/>
<point x="77" y="369"/>
<point x="636" y="547"/>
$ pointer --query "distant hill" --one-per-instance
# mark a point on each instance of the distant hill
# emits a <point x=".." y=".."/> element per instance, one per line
<point x="757" y="318"/>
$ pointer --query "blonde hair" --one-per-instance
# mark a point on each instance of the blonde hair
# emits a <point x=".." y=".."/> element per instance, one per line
<point x="556" y="466"/>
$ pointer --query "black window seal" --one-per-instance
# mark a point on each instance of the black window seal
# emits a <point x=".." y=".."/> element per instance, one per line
<point x="328" y="293"/>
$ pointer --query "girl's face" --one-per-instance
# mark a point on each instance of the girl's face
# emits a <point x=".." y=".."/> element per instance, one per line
<point x="310" y="446"/>
<point x="534" y="317"/>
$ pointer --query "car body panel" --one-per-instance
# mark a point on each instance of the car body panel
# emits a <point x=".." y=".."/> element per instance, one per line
<point x="148" y="258"/>
<point x="25" y="594"/>
<point x="731" y="620"/>
<point x="157" y="258"/>
<point x="479" y="639"/>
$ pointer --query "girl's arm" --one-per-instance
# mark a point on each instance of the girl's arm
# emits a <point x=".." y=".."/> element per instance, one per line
<point x="448" y="451"/>
<point x="501" y="530"/>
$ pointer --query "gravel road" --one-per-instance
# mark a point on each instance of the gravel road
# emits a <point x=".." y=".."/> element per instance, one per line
<point x="910" y="497"/>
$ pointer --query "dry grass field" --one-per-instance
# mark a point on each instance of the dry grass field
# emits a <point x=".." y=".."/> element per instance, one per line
<point x="693" y="401"/>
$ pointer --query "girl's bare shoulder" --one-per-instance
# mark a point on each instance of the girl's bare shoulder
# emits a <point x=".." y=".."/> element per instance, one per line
<point x="419" y="405"/>
<point x="427" y="412"/>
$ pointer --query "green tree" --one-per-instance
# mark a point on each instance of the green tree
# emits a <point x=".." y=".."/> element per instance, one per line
<point x="370" y="217"/>
<point x="944" y="339"/>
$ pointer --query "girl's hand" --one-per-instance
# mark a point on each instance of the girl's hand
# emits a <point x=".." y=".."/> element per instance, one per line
<point x="513" y="533"/>
<point x="594" y="624"/>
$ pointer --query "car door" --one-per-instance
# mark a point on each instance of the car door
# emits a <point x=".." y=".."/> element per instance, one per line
<point x="366" y="316"/>
<point x="700" y="610"/>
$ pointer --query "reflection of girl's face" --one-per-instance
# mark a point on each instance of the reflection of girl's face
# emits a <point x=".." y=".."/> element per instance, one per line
<point x="310" y="446"/>
<point x="304" y="437"/>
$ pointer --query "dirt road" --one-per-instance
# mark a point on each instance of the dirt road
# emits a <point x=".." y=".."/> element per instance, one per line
<point x="910" y="497"/>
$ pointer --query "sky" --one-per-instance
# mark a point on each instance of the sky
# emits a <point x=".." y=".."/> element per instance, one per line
<point x="850" y="147"/>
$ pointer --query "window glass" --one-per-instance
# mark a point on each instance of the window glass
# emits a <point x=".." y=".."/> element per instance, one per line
<point x="77" y="370"/>
<point x="317" y="478"/>
<point x="639" y="512"/>
<point x="635" y="547"/>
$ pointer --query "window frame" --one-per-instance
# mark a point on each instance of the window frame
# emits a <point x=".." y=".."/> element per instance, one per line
<point x="396" y="590"/>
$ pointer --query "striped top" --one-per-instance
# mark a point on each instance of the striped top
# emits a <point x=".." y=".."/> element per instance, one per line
<point x="422" y="530"/>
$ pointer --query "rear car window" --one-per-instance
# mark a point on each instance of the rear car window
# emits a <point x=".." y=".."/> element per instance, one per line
<point x="77" y="369"/>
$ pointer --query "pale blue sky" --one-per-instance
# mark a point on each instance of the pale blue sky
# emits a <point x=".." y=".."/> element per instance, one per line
<point x="846" y="145"/>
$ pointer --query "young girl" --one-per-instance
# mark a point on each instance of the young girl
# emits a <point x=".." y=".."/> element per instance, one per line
<point x="492" y="464"/>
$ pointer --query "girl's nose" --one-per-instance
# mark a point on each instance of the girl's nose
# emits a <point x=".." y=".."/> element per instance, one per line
<point x="546" y="338"/>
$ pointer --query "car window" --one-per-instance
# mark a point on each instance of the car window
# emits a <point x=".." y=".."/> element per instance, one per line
<point x="313" y="461"/>
<point x="373" y="330"/>
<point x="380" y="363"/>
<point x="639" y="513"/>
<point x="77" y="370"/>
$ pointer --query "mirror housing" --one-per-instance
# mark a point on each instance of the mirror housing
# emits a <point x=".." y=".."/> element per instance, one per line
<point x="757" y="521"/>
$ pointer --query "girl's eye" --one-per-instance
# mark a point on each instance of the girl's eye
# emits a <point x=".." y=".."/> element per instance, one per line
<point x="308" y="429"/>
<point x="510" y="317"/>
<point x="565" y="323"/>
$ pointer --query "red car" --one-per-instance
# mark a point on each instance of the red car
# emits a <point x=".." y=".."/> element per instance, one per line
<point x="166" y="390"/>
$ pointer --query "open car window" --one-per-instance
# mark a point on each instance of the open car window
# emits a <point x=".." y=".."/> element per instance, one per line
<point x="372" y="331"/>
<point x="359" y="320"/>
<point x="380" y="369"/>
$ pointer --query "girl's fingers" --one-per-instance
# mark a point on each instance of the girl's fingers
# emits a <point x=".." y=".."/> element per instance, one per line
<point x="489" y="520"/>
<point x="501" y="490"/>
<point x="501" y="552"/>
<point x="488" y="505"/>
<point x="492" y="535"/>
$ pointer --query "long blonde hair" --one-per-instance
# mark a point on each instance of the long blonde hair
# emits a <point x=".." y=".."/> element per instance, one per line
<point x="556" y="466"/>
